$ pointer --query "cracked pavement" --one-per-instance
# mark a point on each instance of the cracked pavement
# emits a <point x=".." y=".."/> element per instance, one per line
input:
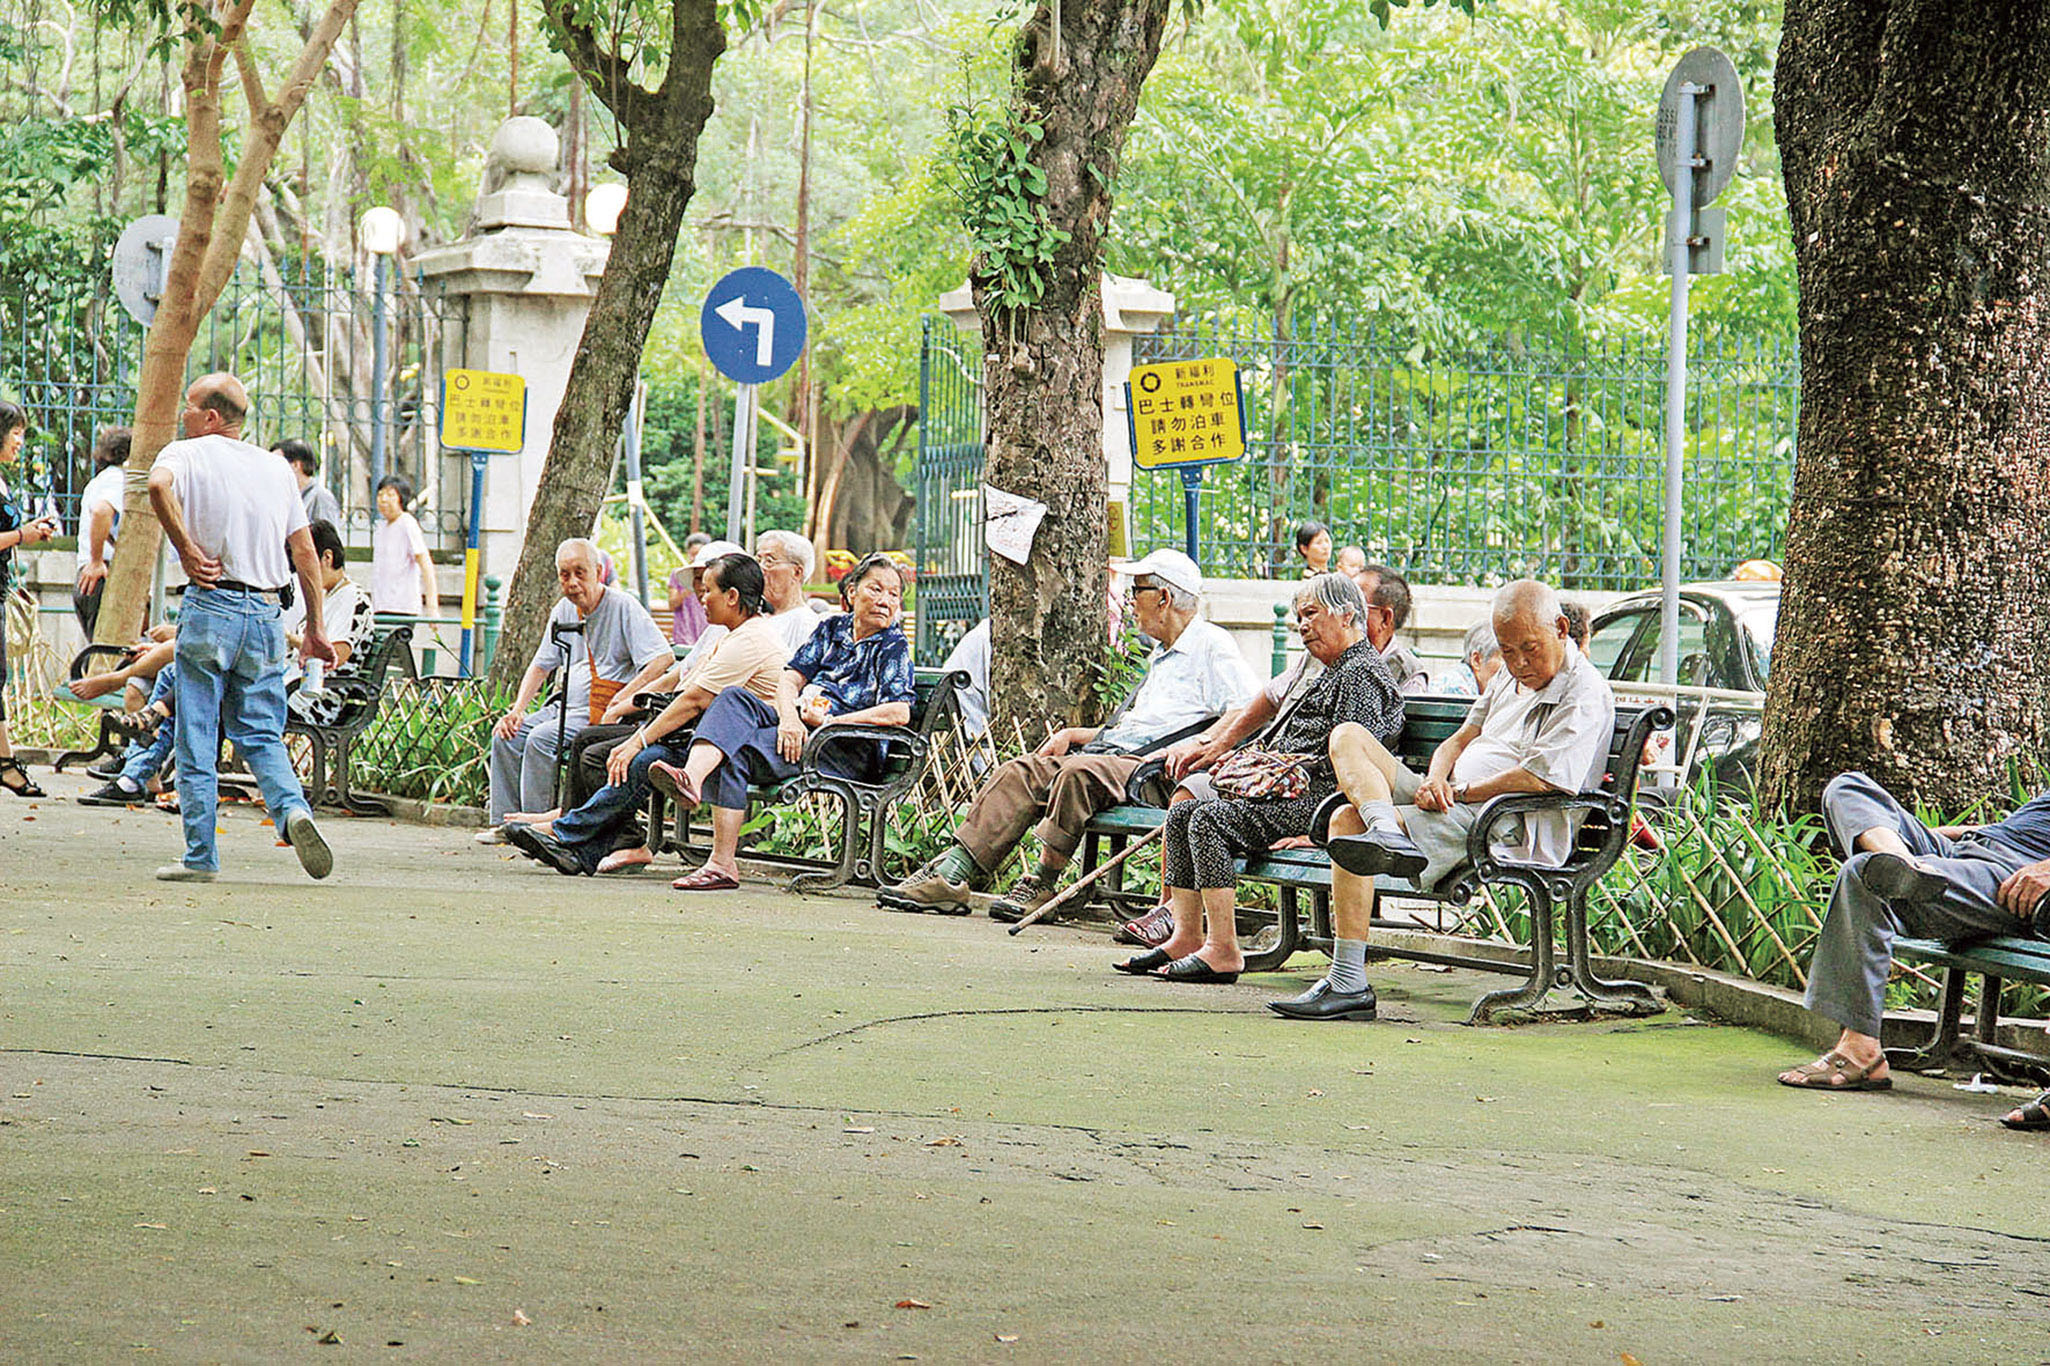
<point x="449" y="1102"/>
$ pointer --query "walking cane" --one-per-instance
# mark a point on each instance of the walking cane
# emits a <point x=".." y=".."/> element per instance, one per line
<point x="1090" y="879"/>
<point x="556" y="631"/>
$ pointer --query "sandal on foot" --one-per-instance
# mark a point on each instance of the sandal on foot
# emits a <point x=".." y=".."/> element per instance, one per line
<point x="1194" y="970"/>
<point x="1835" y="1072"/>
<point x="2034" y="1115"/>
<point x="1140" y="964"/>
<point x="705" y="880"/>
<point x="672" y="781"/>
<point x="15" y="779"/>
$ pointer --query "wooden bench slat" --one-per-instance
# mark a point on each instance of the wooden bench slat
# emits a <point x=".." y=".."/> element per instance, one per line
<point x="2007" y="956"/>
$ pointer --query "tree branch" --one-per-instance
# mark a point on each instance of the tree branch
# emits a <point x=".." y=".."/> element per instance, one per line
<point x="602" y="70"/>
<point x="252" y="82"/>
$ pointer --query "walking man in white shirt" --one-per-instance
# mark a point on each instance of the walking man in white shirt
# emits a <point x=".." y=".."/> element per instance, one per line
<point x="232" y="512"/>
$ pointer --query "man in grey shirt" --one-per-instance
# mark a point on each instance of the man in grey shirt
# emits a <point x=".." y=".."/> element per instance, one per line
<point x="319" y="503"/>
<point x="615" y="641"/>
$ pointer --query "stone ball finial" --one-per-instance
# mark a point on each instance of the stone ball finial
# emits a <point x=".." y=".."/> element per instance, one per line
<point x="525" y="146"/>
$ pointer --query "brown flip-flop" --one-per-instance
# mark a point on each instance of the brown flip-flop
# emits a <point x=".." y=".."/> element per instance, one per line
<point x="1834" y="1072"/>
<point x="705" y="880"/>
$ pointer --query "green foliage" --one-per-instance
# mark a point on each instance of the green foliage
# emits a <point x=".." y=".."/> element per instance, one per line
<point x="989" y="168"/>
<point x="431" y="740"/>
<point x="1122" y="664"/>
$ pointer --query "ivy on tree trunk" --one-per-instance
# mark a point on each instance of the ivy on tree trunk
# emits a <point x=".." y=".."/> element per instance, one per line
<point x="658" y="157"/>
<point x="1915" y="140"/>
<point x="1043" y="358"/>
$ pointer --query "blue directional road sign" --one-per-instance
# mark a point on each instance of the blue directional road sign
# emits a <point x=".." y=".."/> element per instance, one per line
<point x="753" y="324"/>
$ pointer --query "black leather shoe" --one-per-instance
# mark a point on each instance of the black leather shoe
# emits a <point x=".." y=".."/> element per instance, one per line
<point x="1320" y="1002"/>
<point x="543" y="848"/>
<point x="1900" y="879"/>
<point x="1376" y="852"/>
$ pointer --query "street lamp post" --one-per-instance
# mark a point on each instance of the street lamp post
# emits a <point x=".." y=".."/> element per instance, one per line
<point x="384" y="232"/>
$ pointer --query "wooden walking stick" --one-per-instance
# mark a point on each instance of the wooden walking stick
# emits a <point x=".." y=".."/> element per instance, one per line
<point x="1090" y="879"/>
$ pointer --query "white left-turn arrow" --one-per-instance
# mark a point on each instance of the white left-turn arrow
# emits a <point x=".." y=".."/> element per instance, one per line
<point x="738" y="315"/>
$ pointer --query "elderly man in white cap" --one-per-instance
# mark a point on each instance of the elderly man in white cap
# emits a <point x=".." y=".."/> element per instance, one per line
<point x="1195" y="675"/>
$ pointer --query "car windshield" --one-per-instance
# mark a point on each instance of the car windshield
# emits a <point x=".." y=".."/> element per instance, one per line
<point x="1758" y="620"/>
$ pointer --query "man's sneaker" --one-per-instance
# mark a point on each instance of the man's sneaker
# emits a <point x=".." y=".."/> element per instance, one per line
<point x="314" y="855"/>
<point x="1027" y="895"/>
<point x="119" y="792"/>
<point x="1376" y="852"/>
<point x="925" y="891"/>
<point x="491" y="834"/>
<point x="178" y="872"/>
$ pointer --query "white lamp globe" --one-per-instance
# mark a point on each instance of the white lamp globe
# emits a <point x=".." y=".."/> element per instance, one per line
<point x="384" y="231"/>
<point x="602" y="207"/>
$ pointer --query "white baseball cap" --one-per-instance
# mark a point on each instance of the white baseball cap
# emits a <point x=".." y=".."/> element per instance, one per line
<point x="1169" y="567"/>
<point x="712" y="550"/>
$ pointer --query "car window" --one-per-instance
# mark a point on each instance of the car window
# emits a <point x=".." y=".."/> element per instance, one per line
<point x="1759" y="624"/>
<point x="1637" y="660"/>
<point x="1609" y="641"/>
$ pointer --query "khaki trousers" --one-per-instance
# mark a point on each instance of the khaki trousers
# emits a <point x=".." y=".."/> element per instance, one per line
<point x="1059" y="794"/>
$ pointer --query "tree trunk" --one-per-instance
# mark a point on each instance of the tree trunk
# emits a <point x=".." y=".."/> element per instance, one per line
<point x="1915" y="139"/>
<point x="1043" y="365"/>
<point x="659" y="160"/>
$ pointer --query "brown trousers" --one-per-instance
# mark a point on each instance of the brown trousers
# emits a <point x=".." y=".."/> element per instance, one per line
<point x="1059" y="794"/>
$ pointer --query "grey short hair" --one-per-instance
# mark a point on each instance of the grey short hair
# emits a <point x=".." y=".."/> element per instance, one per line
<point x="790" y="546"/>
<point x="1480" y="640"/>
<point x="578" y="547"/>
<point x="1178" y="599"/>
<point x="1527" y="600"/>
<point x="1335" y="593"/>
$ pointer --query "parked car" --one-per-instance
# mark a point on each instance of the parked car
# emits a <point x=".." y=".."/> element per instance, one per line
<point x="1726" y="634"/>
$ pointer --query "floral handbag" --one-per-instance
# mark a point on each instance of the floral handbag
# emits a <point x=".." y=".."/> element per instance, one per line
<point x="1262" y="775"/>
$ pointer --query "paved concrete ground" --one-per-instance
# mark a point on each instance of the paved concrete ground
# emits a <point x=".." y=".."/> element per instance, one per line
<point x="448" y="1091"/>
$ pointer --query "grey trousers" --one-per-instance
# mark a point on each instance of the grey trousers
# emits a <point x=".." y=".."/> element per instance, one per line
<point x="523" y="768"/>
<point x="1854" y="953"/>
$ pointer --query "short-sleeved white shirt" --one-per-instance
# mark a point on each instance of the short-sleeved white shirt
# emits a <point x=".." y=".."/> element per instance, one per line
<point x="107" y="488"/>
<point x="1198" y="678"/>
<point x="395" y="550"/>
<point x="1558" y="734"/>
<point x="240" y="504"/>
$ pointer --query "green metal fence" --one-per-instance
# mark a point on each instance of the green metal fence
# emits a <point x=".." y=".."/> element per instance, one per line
<point x="953" y="578"/>
<point x="302" y="342"/>
<point x="1478" y="466"/>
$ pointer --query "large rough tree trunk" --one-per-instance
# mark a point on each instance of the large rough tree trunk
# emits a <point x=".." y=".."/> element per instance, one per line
<point x="1915" y="138"/>
<point x="1043" y="365"/>
<point x="211" y="228"/>
<point x="659" y="160"/>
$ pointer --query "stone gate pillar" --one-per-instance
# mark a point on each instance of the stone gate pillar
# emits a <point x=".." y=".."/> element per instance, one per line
<point x="528" y="278"/>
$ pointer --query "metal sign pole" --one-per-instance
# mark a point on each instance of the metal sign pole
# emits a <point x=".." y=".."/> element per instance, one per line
<point x="1192" y="498"/>
<point x="735" y="490"/>
<point x="1676" y="391"/>
<point x="472" y="559"/>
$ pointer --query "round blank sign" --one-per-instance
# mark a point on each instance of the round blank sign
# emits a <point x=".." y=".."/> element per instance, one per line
<point x="1719" y="122"/>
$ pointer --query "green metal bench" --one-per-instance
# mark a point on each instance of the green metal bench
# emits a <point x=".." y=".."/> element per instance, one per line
<point x="1997" y="961"/>
<point x="1271" y="938"/>
<point x="362" y="693"/>
<point x="865" y="806"/>
<point x="93" y="659"/>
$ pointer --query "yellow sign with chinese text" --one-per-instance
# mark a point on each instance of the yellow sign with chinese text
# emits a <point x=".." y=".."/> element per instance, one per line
<point x="1185" y="412"/>
<point x="482" y="410"/>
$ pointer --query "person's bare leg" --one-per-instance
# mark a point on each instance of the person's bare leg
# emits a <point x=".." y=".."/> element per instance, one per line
<point x="726" y="823"/>
<point x="1221" y="930"/>
<point x="1366" y="770"/>
<point x="1188" y="923"/>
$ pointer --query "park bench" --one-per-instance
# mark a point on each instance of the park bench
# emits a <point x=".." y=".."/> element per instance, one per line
<point x="865" y="806"/>
<point x="90" y="660"/>
<point x="362" y="692"/>
<point x="1997" y="961"/>
<point x="1552" y="894"/>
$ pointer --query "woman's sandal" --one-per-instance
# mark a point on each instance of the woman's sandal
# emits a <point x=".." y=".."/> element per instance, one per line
<point x="1835" y="1072"/>
<point x="2034" y="1115"/>
<point x="1140" y="964"/>
<point x="10" y="768"/>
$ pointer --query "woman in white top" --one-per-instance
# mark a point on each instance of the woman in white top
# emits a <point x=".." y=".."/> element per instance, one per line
<point x="401" y="571"/>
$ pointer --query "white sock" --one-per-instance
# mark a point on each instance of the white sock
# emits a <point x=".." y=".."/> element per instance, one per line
<point x="1380" y="818"/>
<point x="1348" y="965"/>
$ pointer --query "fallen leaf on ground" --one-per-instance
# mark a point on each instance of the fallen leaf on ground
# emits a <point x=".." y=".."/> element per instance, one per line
<point x="520" y="1318"/>
<point x="1007" y="1337"/>
<point x="944" y="1143"/>
<point x="913" y="1304"/>
<point x="468" y="1280"/>
<point x="152" y="1225"/>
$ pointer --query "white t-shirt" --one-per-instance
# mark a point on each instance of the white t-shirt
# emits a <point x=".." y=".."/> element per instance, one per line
<point x="240" y="504"/>
<point x="395" y="550"/>
<point x="795" y="626"/>
<point x="108" y="487"/>
<point x="1558" y="734"/>
<point x="346" y="618"/>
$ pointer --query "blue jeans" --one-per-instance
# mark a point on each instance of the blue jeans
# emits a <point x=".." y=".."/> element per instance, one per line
<point x="588" y="831"/>
<point x="144" y="758"/>
<point x="231" y="680"/>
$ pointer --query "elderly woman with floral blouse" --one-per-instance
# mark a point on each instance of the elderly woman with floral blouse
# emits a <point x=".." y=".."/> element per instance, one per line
<point x="1203" y="837"/>
<point x="854" y="669"/>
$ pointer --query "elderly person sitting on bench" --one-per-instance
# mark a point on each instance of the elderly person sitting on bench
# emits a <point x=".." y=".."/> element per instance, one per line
<point x="1899" y="877"/>
<point x="615" y="642"/>
<point x="1196" y="674"/>
<point x="854" y="670"/>
<point x="1270" y="792"/>
<point x="1543" y="724"/>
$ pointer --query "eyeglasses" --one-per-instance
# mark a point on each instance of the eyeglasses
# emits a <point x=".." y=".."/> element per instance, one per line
<point x="1139" y="588"/>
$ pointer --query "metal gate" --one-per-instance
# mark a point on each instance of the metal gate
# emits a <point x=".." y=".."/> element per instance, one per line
<point x="302" y="343"/>
<point x="953" y="569"/>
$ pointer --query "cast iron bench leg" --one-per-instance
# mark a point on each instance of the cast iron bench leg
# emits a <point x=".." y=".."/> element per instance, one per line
<point x="1288" y="928"/>
<point x="106" y="745"/>
<point x="856" y="817"/>
<point x="1944" y="1048"/>
<point x="1532" y="992"/>
<point x="1632" y="998"/>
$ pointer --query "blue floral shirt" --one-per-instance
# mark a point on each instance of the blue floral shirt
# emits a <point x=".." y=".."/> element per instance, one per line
<point x="854" y="675"/>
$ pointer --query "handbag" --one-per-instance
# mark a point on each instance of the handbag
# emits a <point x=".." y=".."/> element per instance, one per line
<point x="1262" y="775"/>
<point x="603" y="690"/>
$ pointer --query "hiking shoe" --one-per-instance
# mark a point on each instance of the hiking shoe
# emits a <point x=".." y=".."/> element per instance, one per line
<point x="1027" y="895"/>
<point x="314" y="855"/>
<point x="119" y="792"/>
<point x="927" y="892"/>
<point x="178" y="872"/>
